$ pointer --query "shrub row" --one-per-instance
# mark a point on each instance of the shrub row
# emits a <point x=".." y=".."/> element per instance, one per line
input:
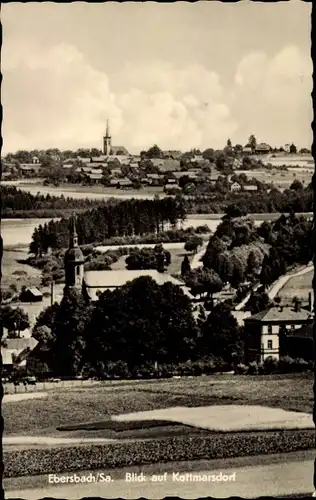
<point x="121" y="370"/>
<point x="272" y="365"/>
<point x="60" y="459"/>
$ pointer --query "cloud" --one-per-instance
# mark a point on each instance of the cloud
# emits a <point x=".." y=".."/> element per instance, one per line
<point x="53" y="97"/>
<point x="272" y="97"/>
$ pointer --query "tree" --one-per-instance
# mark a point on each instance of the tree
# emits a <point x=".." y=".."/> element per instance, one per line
<point x="185" y="266"/>
<point x="209" y="154"/>
<point x="69" y="334"/>
<point x="296" y="185"/>
<point x="220" y="333"/>
<point x="229" y="143"/>
<point x="14" y="319"/>
<point x="253" y="263"/>
<point x="252" y="141"/>
<point x="257" y="302"/>
<point x="193" y="243"/>
<point x="238" y="273"/>
<point x="154" y="152"/>
<point x="142" y="322"/>
<point x="293" y="149"/>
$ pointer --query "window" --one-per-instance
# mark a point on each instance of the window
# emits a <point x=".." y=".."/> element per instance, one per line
<point x="262" y="347"/>
<point x="269" y="344"/>
<point x="78" y="270"/>
<point x="269" y="328"/>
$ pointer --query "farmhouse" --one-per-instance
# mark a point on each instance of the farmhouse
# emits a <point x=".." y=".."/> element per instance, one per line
<point x="265" y="331"/>
<point x="15" y="353"/>
<point x="31" y="295"/>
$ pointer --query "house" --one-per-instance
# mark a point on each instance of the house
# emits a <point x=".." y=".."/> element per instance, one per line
<point x="96" y="178"/>
<point x="235" y="187"/>
<point x="95" y="164"/>
<point x="83" y="160"/>
<point x="250" y="187"/>
<point x="100" y="281"/>
<point x="15" y="353"/>
<point x="169" y="166"/>
<point x="247" y="150"/>
<point x="262" y="148"/>
<point x="154" y="179"/>
<point x="31" y="168"/>
<point x="266" y="330"/>
<point x="173" y="154"/>
<point x="171" y="187"/>
<point x="287" y="148"/>
<point x="121" y="183"/>
<point x="31" y="295"/>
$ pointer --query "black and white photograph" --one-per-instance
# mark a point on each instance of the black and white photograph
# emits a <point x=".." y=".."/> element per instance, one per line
<point x="157" y="300"/>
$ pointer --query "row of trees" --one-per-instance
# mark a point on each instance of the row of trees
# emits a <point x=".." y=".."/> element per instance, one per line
<point x="15" y="200"/>
<point x="139" y="323"/>
<point x="125" y="218"/>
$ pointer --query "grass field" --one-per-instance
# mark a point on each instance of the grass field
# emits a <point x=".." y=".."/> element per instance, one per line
<point x="96" y="403"/>
<point x="13" y="272"/>
<point x="281" y="179"/>
<point x="299" y="286"/>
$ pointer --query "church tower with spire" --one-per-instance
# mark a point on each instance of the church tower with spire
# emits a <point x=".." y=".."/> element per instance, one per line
<point x="74" y="260"/>
<point x="107" y="140"/>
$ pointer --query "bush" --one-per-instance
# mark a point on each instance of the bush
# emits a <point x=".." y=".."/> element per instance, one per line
<point x="241" y="369"/>
<point x="270" y="365"/>
<point x="253" y="368"/>
<point x="56" y="460"/>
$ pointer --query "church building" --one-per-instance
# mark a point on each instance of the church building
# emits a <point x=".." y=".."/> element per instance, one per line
<point x="91" y="283"/>
<point x="108" y="149"/>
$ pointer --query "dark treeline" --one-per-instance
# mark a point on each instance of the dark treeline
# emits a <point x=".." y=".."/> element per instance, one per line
<point x="124" y="218"/>
<point x="16" y="202"/>
<point x="290" y="200"/>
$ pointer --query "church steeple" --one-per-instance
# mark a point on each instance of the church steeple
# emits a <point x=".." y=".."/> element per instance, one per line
<point x="74" y="259"/>
<point x="107" y="140"/>
<point x="107" y="132"/>
<point x="73" y="240"/>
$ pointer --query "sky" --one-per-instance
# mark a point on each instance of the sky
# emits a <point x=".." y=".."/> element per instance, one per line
<point x="178" y="75"/>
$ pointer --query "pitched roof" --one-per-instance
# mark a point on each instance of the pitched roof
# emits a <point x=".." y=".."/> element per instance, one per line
<point x="34" y="291"/>
<point x="107" y="280"/>
<point x="95" y="176"/>
<point x="285" y="314"/>
<point x="119" y="150"/>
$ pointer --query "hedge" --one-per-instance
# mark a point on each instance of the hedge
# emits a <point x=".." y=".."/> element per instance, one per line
<point x="218" y="445"/>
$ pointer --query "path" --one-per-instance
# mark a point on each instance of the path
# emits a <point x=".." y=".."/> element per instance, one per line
<point x="266" y="479"/>
<point x="196" y="262"/>
<point x="277" y="285"/>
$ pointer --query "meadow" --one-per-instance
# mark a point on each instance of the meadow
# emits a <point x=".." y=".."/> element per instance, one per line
<point x="95" y="403"/>
<point x="299" y="286"/>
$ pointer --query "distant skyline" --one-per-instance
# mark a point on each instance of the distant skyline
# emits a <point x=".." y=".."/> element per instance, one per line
<point x="178" y="75"/>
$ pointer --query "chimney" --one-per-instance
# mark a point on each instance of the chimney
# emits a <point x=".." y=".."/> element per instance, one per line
<point x="52" y="293"/>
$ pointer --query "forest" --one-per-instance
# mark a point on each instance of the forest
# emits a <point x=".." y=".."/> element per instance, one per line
<point x="21" y="204"/>
<point x="125" y="218"/>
